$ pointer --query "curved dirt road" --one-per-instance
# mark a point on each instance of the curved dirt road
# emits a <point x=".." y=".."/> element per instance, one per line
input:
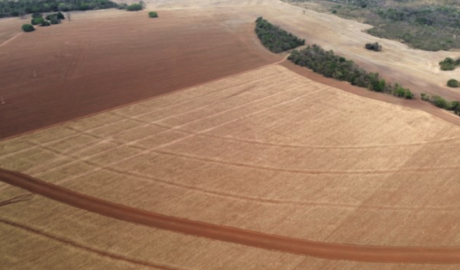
<point x="435" y="255"/>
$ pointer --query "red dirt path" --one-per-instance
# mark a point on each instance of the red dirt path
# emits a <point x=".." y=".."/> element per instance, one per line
<point x="76" y="69"/>
<point x="333" y="251"/>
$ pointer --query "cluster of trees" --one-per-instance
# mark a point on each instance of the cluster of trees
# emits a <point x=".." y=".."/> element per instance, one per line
<point x="37" y="19"/>
<point x="442" y="103"/>
<point x="23" y="7"/>
<point x="452" y="83"/>
<point x="373" y="46"/>
<point x="276" y="39"/>
<point x="337" y="67"/>
<point x="132" y="7"/>
<point x="153" y="14"/>
<point x="428" y="25"/>
<point x="449" y="63"/>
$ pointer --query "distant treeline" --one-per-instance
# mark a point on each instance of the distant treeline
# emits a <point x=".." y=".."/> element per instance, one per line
<point x="23" y="7"/>
<point x="337" y="67"/>
<point x="276" y="39"/>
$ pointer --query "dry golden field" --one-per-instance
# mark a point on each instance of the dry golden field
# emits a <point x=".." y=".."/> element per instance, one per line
<point x="267" y="150"/>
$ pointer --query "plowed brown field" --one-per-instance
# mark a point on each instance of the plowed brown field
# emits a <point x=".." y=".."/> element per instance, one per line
<point x="101" y="60"/>
<point x="267" y="151"/>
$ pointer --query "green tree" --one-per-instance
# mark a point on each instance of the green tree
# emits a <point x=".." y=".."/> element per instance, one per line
<point x="27" y="28"/>
<point x="452" y="83"/>
<point x="153" y="14"/>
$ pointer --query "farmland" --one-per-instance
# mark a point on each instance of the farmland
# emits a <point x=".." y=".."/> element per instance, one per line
<point x="214" y="154"/>
<point x="182" y="143"/>
<point x="71" y="71"/>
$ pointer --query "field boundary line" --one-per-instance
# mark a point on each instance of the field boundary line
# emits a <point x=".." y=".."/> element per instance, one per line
<point x="209" y="192"/>
<point x="313" y="172"/>
<point x="77" y="245"/>
<point x="11" y="39"/>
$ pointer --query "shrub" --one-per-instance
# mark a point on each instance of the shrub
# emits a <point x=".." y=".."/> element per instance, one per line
<point x="153" y="14"/>
<point x="54" y="21"/>
<point x="134" y="7"/>
<point x="274" y="38"/>
<point x="45" y="23"/>
<point x="373" y="46"/>
<point x="50" y="16"/>
<point x="37" y="15"/>
<point x="36" y="21"/>
<point x="448" y="64"/>
<point x="27" y="28"/>
<point x="452" y="83"/>
<point x="60" y="16"/>
<point x="439" y="102"/>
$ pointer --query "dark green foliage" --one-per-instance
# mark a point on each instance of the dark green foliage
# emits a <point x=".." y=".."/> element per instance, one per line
<point x="45" y="23"/>
<point x="27" y="28"/>
<point x="10" y="8"/>
<point x="452" y="83"/>
<point x="37" y="15"/>
<point x="440" y="102"/>
<point x="50" y="16"/>
<point x="449" y="63"/>
<point x="134" y="7"/>
<point x="55" y="21"/>
<point x="153" y="14"/>
<point x="431" y="26"/>
<point x="36" y="21"/>
<point x="373" y="46"/>
<point x="276" y="39"/>
<point x="339" y="68"/>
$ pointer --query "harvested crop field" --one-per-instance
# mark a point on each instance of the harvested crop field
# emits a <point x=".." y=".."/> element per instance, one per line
<point x="71" y="70"/>
<point x="267" y="151"/>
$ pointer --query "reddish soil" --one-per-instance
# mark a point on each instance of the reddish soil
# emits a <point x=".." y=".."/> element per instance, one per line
<point x="416" y="104"/>
<point x="229" y="234"/>
<point x="68" y="71"/>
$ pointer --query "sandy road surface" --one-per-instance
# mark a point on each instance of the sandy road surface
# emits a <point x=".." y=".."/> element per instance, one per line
<point x="250" y="238"/>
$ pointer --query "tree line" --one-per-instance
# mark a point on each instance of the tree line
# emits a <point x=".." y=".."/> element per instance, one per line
<point x="276" y="39"/>
<point x="23" y="7"/>
<point x="331" y="65"/>
<point x="442" y="103"/>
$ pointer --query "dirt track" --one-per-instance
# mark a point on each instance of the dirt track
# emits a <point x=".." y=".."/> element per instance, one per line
<point x="234" y="235"/>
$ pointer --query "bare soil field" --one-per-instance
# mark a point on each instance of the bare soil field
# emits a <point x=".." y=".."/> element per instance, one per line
<point x="267" y="151"/>
<point x="104" y="59"/>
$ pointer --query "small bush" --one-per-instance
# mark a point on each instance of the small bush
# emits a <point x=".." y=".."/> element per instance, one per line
<point x="452" y="83"/>
<point x="448" y="64"/>
<point x="45" y="23"/>
<point x="373" y="46"/>
<point x="36" y="21"/>
<point x="439" y="102"/>
<point x="54" y="21"/>
<point x="60" y="16"/>
<point x="27" y="28"/>
<point x="50" y="16"/>
<point x="134" y="7"/>
<point x="153" y="14"/>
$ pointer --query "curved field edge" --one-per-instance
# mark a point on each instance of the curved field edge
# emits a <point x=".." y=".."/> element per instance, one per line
<point x="427" y="255"/>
